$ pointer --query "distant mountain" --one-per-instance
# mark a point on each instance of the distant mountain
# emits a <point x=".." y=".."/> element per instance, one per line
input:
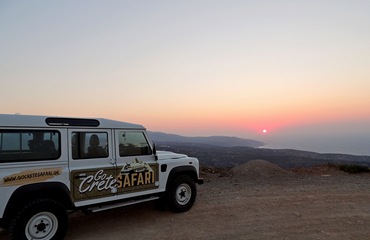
<point x="220" y="151"/>
<point x="216" y="156"/>
<point x="222" y="141"/>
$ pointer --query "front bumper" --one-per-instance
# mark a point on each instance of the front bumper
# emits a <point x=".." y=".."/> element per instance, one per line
<point x="200" y="181"/>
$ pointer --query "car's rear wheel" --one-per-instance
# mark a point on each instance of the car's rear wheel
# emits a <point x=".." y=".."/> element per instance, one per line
<point x="41" y="219"/>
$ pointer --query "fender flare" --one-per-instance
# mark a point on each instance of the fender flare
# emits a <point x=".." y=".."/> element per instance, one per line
<point x="53" y="190"/>
<point x="183" y="170"/>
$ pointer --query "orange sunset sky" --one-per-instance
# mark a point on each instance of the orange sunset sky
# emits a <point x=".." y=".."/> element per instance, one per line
<point x="195" y="68"/>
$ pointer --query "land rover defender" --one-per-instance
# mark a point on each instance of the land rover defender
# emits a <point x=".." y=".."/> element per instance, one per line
<point x="50" y="166"/>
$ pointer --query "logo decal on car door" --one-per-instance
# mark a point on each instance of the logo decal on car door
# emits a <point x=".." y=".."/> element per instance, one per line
<point x="132" y="177"/>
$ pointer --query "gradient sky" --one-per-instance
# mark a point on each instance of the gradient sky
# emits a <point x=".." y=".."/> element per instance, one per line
<point x="294" y="68"/>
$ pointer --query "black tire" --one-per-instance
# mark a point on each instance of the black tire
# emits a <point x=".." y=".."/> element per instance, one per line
<point x="181" y="194"/>
<point x="40" y="219"/>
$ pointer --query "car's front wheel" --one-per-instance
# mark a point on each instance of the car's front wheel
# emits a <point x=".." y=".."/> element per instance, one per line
<point x="41" y="219"/>
<point x="181" y="194"/>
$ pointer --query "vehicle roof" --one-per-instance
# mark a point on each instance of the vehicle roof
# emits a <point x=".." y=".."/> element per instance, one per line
<point x="18" y="120"/>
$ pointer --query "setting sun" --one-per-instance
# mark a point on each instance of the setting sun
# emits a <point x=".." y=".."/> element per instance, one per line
<point x="264" y="131"/>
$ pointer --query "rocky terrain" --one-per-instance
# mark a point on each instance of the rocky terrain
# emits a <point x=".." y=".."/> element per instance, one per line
<point x="255" y="200"/>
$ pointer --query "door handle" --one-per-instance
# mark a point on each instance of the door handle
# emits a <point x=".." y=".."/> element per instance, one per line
<point x="81" y="175"/>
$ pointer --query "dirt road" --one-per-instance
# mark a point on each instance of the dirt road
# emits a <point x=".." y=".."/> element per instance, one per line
<point x="318" y="203"/>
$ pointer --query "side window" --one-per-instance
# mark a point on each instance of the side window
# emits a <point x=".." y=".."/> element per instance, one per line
<point x="89" y="145"/>
<point x="29" y="145"/>
<point x="132" y="144"/>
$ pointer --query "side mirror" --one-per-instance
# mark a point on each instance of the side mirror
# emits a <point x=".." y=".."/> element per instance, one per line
<point x="155" y="152"/>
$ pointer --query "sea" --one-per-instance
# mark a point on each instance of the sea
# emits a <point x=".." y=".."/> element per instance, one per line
<point x="350" y="145"/>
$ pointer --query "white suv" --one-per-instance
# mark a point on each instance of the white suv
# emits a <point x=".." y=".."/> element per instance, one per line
<point x="51" y="165"/>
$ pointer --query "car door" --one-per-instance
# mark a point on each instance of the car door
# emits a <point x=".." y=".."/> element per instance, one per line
<point x="92" y="165"/>
<point x="137" y="169"/>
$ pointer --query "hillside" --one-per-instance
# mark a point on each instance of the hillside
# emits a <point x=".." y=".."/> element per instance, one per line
<point x="213" y="140"/>
<point x="229" y="157"/>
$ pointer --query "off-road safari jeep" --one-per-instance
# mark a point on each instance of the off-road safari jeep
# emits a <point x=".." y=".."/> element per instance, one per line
<point x="50" y="166"/>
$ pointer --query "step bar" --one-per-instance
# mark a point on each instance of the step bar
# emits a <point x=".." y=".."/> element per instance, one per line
<point x="121" y="204"/>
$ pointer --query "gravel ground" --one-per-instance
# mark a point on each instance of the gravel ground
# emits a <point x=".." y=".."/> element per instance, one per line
<point x="257" y="200"/>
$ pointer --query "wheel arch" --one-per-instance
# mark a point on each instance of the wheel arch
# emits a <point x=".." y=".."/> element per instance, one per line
<point x="52" y="190"/>
<point x="182" y="170"/>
